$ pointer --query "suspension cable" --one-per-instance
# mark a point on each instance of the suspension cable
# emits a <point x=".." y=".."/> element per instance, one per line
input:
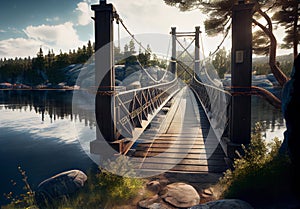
<point x="150" y="76"/>
<point x="119" y="20"/>
<point x="223" y="40"/>
<point x="202" y="45"/>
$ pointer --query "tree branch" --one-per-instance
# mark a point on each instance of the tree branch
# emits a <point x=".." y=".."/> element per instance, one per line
<point x="267" y="18"/>
<point x="279" y="75"/>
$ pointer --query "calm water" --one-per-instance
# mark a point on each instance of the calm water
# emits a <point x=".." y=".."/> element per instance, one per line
<point x="38" y="133"/>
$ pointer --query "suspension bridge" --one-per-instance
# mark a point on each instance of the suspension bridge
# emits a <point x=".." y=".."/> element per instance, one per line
<point x="184" y="121"/>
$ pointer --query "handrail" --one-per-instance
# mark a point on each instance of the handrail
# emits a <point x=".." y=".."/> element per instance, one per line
<point x="136" y="108"/>
<point x="216" y="104"/>
<point x="211" y="86"/>
<point x="144" y="88"/>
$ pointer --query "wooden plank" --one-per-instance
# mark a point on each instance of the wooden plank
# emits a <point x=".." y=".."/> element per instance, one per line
<point x="180" y="155"/>
<point x="182" y="142"/>
<point x="182" y="145"/>
<point x="199" y="168"/>
<point x="177" y="150"/>
<point x="177" y="167"/>
<point x="178" y="146"/>
<point x="217" y="162"/>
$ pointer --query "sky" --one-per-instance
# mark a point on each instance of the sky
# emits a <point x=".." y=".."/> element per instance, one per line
<point x="25" y="26"/>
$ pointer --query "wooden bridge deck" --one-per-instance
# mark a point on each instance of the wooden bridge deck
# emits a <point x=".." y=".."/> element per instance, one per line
<point x="180" y="141"/>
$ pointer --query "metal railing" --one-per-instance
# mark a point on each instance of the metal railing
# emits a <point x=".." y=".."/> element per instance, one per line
<point x="217" y="105"/>
<point x="136" y="108"/>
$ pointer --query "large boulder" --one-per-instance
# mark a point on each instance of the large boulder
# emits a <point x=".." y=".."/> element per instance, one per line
<point x="175" y="195"/>
<point x="59" y="186"/>
<point x="224" y="204"/>
<point x="180" y="195"/>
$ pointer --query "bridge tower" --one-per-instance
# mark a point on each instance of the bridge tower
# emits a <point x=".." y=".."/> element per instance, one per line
<point x="241" y="76"/>
<point x="196" y="41"/>
<point x="197" y="50"/>
<point x="104" y="74"/>
<point x="174" y="55"/>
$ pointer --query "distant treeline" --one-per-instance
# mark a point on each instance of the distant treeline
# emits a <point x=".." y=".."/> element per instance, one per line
<point x="44" y="67"/>
<point x="49" y="68"/>
<point x="285" y="63"/>
<point x="260" y="66"/>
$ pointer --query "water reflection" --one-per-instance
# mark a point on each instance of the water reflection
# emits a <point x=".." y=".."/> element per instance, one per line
<point x="270" y="117"/>
<point x="57" y="104"/>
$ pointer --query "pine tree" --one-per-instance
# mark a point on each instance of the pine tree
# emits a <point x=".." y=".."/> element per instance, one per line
<point x="132" y="47"/>
<point x="90" y="50"/>
<point x="288" y="16"/>
<point x="39" y="61"/>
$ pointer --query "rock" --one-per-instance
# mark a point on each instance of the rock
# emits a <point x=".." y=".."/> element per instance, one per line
<point x="290" y="105"/>
<point x="154" y="202"/>
<point x="175" y="195"/>
<point x="156" y="206"/>
<point x="180" y="195"/>
<point x="150" y="201"/>
<point x="207" y="195"/>
<point x="224" y="204"/>
<point x="208" y="192"/>
<point x="154" y="186"/>
<point x="60" y="185"/>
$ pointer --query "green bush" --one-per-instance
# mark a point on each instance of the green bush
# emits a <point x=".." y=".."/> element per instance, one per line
<point x="258" y="174"/>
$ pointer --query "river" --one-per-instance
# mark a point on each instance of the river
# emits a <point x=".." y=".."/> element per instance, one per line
<point x="39" y="132"/>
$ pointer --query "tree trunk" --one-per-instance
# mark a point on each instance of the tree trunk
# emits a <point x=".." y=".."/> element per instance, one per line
<point x="295" y="32"/>
<point x="279" y="75"/>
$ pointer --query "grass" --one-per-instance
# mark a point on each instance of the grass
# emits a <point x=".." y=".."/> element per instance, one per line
<point x="25" y="200"/>
<point x="102" y="190"/>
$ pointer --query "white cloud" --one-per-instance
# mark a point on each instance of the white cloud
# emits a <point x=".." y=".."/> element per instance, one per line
<point x="62" y="36"/>
<point x="19" y="47"/>
<point x="57" y="37"/>
<point x="54" y="19"/>
<point x="85" y="15"/>
<point x="2" y="31"/>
